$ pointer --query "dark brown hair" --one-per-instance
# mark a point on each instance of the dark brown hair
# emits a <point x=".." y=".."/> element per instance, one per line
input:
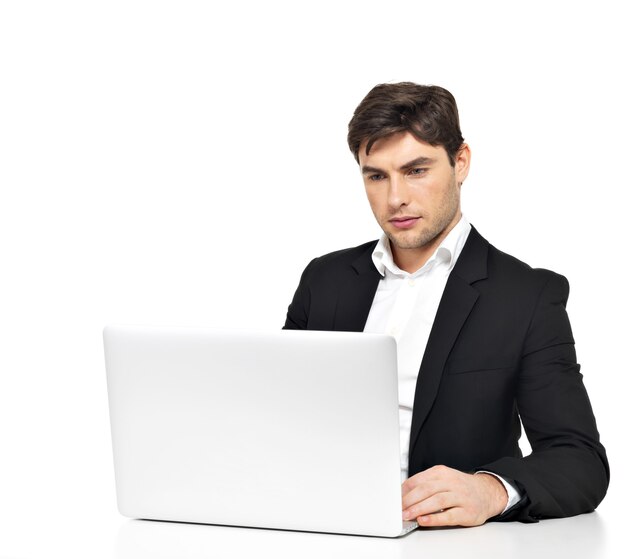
<point x="428" y="112"/>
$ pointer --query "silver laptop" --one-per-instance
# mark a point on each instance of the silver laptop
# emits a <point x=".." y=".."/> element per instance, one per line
<point x="288" y="430"/>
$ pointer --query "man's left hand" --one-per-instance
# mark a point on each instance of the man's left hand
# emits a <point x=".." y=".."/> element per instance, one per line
<point x="442" y="496"/>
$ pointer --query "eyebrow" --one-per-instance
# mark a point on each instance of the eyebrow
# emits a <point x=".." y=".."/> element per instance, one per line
<point x="408" y="165"/>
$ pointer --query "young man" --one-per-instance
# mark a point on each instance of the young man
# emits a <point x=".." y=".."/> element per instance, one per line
<point x="483" y="339"/>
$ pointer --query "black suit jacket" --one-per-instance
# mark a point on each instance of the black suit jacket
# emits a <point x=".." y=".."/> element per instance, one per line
<point x="500" y="348"/>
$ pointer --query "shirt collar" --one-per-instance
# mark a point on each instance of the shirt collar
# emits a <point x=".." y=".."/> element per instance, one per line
<point x="447" y="252"/>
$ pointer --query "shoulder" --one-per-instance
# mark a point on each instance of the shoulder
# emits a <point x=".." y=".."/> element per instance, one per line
<point x="340" y="261"/>
<point x="522" y="277"/>
<point x="482" y="264"/>
<point x="512" y="265"/>
<point x="346" y="256"/>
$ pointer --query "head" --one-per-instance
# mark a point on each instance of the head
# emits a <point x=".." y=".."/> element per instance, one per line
<point x="428" y="112"/>
<point x="407" y="141"/>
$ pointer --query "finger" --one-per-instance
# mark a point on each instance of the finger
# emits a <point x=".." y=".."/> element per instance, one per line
<point x="433" y="474"/>
<point x="448" y="517"/>
<point x="411" y="483"/>
<point x="455" y="516"/>
<point x="433" y="505"/>
<point x="424" y="491"/>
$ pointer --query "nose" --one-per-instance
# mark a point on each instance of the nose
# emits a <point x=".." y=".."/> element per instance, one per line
<point x="398" y="194"/>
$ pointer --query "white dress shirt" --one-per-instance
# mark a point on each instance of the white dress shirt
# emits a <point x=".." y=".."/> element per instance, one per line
<point x="404" y="307"/>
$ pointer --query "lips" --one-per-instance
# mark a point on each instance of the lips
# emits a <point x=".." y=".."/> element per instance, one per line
<point x="404" y="222"/>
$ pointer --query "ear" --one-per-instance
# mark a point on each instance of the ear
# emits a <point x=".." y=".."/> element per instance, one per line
<point x="462" y="163"/>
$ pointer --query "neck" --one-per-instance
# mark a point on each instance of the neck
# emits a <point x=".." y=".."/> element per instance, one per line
<point x="410" y="259"/>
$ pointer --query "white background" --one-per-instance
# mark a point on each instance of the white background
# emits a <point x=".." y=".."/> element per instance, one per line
<point x="180" y="163"/>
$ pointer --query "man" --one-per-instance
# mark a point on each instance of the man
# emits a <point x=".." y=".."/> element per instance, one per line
<point x="483" y="339"/>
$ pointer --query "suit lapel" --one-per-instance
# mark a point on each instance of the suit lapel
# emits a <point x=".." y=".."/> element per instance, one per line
<point x="457" y="301"/>
<point x="355" y="299"/>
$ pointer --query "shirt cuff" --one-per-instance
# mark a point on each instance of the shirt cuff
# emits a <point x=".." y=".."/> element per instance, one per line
<point x="511" y="490"/>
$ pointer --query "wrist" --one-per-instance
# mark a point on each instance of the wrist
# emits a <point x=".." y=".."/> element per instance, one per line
<point x="495" y="493"/>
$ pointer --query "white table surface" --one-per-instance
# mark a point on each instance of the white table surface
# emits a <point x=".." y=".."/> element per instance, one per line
<point x="584" y="536"/>
<point x="105" y="534"/>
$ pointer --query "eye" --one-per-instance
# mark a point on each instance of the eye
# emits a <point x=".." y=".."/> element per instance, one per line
<point x="417" y="171"/>
<point x="375" y="178"/>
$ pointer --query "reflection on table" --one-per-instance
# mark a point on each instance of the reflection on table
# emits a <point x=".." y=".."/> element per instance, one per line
<point x="581" y="536"/>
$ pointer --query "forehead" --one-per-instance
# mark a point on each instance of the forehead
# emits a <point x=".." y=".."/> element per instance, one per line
<point x="398" y="149"/>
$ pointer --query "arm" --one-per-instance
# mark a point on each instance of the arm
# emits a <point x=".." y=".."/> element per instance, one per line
<point x="298" y="311"/>
<point x="567" y="472"/>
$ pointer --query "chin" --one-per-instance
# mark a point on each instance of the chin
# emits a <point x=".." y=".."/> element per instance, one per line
<point x="411" y="241"/>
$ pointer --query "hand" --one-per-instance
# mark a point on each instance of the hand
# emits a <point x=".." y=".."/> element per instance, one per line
<point x="442" y="496"/>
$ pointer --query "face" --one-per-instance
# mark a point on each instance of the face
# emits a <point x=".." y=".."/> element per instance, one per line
<point x="414" y="192"/>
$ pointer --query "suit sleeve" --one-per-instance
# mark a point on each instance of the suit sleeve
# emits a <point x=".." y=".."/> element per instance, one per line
<point x="298" y="311"/>
<point x="567" y="472"/>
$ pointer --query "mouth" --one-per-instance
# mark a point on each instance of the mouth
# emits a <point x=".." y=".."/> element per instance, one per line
<point x="404" y="222"/>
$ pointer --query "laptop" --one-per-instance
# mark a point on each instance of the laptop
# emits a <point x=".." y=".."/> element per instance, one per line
<point x="293" y="430"/>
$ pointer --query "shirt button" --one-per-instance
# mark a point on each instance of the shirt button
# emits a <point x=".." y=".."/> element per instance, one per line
<point x="411" y="282"/>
